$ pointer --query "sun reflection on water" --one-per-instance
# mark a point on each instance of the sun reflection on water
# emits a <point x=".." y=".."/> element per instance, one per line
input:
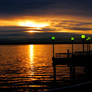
<point x="31" y="51"/>
<point x="31" y="56"/>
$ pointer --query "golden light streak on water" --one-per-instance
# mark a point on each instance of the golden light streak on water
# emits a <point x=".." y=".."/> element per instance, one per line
<point x="31" y="50"/>
<point x="31" y="56"/>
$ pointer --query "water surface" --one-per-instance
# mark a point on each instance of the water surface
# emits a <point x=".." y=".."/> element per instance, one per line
<point x="30" y="67"/>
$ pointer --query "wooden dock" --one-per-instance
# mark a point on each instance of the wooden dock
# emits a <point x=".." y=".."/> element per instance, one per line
<point x="79" y="58"/>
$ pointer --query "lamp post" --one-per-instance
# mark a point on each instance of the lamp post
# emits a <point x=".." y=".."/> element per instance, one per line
<point x="72" y="39"/>
<point x="53" y="39"/>
<point x="88" y="45"/>
<point x="83" y="38"/>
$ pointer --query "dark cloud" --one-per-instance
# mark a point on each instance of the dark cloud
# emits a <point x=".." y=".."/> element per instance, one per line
<point x="83" y="24"/>
<point x="12" y="28"/>
<point x="48" y="29"/>
<point x="16" y="28"/>
<point x="73" y="25"/>
<point x="45" y="7"/>
<point x="78" y="28"/>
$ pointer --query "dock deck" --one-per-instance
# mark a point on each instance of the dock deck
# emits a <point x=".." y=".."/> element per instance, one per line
<point x="72" y="58"/>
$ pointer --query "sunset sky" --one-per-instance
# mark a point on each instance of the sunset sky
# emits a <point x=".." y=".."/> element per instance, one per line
<point x="23" y="19"/>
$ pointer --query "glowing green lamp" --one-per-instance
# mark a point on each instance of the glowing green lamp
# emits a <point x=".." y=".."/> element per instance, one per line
<point x="88" y="45"/>
<point x="72" y="38"/>
<point x="53" y="38"/>
<point x="89" y="38"/>
<point x="83" y="36"/>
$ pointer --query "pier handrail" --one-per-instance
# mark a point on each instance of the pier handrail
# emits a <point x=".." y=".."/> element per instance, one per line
<point x="63" y="55"/>
<point x="68" y="55"/>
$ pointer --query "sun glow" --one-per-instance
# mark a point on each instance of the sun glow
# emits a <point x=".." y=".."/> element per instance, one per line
<point x="33" y="24"/>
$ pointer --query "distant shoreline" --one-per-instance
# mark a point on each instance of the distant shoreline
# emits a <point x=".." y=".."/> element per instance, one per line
<point x="25" y="43"/>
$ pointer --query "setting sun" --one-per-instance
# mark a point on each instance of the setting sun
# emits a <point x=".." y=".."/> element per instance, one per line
<point x="33" y="24"/>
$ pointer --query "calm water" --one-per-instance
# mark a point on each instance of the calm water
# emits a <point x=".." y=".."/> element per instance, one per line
<point x="30" y="68"/>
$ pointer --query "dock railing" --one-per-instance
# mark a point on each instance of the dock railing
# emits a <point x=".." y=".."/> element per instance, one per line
<point x="70" y="55"/>
<point x="63" y="55"/>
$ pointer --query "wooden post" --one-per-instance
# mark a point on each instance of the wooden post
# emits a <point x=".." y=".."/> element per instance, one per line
<point x="88" y="44"/>
<point x="67" y="53"/>
<point x="83" y="46"/>
<point x="72" y="39"/>
<point x="54" y="71"/>
<point x="53" y="39"/>
<point x="72" y="47"/>
<point x="53" y="49"/>
<point x="83" y="39"/>
<point x="89" y="47"/>
<point x="72" y="73"/>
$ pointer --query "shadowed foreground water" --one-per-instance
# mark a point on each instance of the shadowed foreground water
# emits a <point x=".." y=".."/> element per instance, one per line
<point x="26" y="68"/>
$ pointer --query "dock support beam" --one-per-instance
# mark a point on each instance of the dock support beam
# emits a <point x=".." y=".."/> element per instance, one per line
<point x="53" y="50"/>
<point x="72" y="47"/>
<point x="83" y="46"/>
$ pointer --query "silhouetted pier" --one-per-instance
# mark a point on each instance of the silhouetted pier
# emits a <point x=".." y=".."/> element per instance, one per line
<point x="73" y="60"/>
<point x="78" y="57"/>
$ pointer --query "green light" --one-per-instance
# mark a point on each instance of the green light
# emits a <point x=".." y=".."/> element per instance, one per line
<point x="83" y="36"/>
<point x="89" y="38"/>
<point x="72" y="38"/>
<point x="53" y="38"/>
